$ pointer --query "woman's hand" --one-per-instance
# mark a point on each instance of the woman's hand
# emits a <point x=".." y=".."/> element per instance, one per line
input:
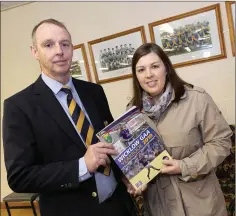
<point x="171" y="167"/>
<point x="131" y="190"/>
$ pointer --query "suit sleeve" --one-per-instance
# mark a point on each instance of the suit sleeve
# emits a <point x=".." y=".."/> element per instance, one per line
<point x="215" y="134"/>
<point x="20" y="151"/>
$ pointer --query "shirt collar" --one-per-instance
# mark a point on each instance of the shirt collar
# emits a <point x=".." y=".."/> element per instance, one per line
<point x="54" y="85"/>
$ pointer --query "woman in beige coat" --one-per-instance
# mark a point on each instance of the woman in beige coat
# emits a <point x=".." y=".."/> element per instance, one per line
<point x="194" y="132"/>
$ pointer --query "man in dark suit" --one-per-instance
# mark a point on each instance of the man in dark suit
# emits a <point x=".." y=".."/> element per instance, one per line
<point x="45" y="151"/>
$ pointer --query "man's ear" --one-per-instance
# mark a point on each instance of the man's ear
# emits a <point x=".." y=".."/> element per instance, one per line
<point x="34" y="51"/>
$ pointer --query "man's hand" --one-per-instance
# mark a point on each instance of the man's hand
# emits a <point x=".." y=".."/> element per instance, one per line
<point x="131" y="190"/>
<point x="172" y="167"/>
<point x="97" y="155"/>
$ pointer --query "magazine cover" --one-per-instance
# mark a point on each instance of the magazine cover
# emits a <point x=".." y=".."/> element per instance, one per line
<point x="140" y="148"/>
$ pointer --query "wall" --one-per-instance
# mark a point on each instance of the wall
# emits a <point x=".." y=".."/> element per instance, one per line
<point x="91" y="20"/>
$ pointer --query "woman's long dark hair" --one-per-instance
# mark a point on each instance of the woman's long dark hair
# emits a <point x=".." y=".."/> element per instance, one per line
<point x="172" y="77"/>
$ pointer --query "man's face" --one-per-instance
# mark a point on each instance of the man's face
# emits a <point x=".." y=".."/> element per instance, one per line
<point x="53" y="49"/>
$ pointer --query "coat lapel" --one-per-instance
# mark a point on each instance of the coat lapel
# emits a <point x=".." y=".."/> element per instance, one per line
<point x="48" y="101"/>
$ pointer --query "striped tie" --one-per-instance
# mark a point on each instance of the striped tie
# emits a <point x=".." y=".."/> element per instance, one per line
<point x="82" y="124"/>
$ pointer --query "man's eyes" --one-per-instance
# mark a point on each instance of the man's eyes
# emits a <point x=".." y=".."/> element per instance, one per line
<point x="65" y="44"/>
<point x="48" y="45"/>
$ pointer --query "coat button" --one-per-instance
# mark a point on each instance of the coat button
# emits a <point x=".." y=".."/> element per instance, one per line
<point x="94" y="194"/>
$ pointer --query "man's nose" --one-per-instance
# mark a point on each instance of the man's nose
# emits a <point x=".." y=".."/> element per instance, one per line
<point x="59" y="50"/>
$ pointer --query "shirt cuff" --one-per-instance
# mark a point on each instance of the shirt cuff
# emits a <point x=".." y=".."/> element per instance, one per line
<point x="83" y="170"/>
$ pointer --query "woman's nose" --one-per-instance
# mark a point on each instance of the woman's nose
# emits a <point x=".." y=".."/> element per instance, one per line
<point x="149" y="72"/>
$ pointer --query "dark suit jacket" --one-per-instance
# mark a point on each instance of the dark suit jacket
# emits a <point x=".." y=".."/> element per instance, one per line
<point x="42" y="148"/>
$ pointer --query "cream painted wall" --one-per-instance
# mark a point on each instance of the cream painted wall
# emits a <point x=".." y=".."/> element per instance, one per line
<point x="91" y="20"/>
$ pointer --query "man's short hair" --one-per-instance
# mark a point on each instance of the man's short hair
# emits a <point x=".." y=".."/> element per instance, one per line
<point x="50" y="21"/>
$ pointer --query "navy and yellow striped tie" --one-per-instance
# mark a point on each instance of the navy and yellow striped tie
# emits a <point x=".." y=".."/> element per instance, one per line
<point x="82" y="124"/>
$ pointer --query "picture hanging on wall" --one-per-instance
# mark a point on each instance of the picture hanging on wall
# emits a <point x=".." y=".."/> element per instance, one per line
<point x="111" y="56"/>
<point x="191" y="38"/>
<point x="230" y="9"/>
<point x="79" y="67"/>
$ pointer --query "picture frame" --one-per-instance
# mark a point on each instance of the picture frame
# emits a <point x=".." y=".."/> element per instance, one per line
<point x="111" y="56"/>
<point x="191" y="38"/>
<point x="230" y="10"/>
<point x="79" y="66"/>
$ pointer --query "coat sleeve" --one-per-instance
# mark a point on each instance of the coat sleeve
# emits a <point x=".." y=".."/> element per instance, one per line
<point x="215" y="134"/>
<point x="20" y="152"/>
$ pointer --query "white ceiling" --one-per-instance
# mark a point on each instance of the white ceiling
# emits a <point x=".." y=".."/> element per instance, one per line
<point x="6" y="5"/>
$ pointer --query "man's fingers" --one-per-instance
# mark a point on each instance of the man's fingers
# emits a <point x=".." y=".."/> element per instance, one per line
<point x="101" y="162"/>
<point x="105" y="157"/>
<point x="103" y="145"/>
<point x="103" y="148"/>
<point x="106" y="151"/>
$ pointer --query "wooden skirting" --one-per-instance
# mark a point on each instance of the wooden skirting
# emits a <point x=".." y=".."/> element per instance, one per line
<point x="3" y="206"/>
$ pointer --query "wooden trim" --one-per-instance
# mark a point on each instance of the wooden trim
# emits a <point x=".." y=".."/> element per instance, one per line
<point x="231" y="25"/>
<point x="3" y="206"/>
<point x="115" y="78"/>
<point x="130" y="31"/>
<point x="82" y="47"/>
<point x="215" y="7"/>
<point x="90" y="43"/>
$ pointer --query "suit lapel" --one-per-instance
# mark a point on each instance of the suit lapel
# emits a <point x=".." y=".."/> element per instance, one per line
<point x="47" y="100"/>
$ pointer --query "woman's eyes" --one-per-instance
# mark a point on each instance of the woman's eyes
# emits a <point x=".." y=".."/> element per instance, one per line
<point x="140" y="70"/>
<point x="155" y="66"/>
<point x="143" y="69"/>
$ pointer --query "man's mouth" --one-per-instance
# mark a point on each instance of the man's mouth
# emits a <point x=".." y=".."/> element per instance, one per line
<point x="60" y="62"/>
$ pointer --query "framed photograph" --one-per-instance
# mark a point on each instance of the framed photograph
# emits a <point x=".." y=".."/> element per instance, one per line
<point x="192" y="37"/>
<point x="112" y="55"/>
<point x="230" y="9"/>
<point x="79" y="67"/>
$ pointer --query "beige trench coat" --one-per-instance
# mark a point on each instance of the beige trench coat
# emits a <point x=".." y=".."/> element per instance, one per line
<point x="195" y="132"/>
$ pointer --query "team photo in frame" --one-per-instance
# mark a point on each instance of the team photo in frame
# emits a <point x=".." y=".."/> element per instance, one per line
<point x="111" y="56"/>
<point x="191" y="38"/>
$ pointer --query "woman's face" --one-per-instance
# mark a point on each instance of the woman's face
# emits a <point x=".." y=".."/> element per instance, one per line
<point x="151" y="74"/>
